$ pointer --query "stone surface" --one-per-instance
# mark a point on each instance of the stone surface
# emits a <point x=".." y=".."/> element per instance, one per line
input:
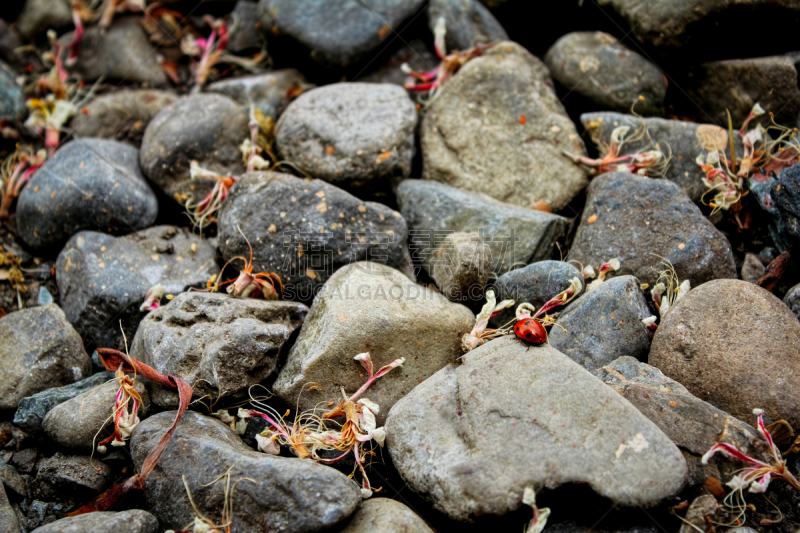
<point x="598" y="66"/>
<point x="604" y="324"/>
<point x="334" y="35"/>
<point x="736" y="346"/>
<point x="218" y="344"/>
<point x="89" y="184"/>
<point x="461" y="267"/>
<point x="642" y="220"/>
<point x="367" y="307"/>
<point x="121" y="115"/>
<point x="8" y="517"/>
<point x="38" y="16"/>
<point x="384" y="515"/>
<point x="102" y="280"/>
<point x="515" y="235"/>
<point x="289" y="494"/>
<point x="270" y="92"/>
<point x="498" y="128"/>
<point x="132" y="521"/>
<point x="305" y="230"/>
<point x="12" y="103"/>
<point x="415" y="52"/>
<point x="780" y="198"/>
<point x="792" y="299"/>
<point x="39" y="350"/>
<point x="468" y="23"/>
<point x="350" y="134"/>
<point x="70" y="477"/>
<point x="207" y="128"/>
<point x="244" y="28"/>
<point x="82" y="422"/>
<point x="752" y="268"/>
<point x="32" y="409"/>
<point x="568" y="425"/>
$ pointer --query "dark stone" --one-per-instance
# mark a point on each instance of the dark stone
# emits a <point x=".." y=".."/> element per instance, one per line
<point x="468" y="23"/>
<point x="9" y="523"/>
<point x="38" y="16"/>
<point x="132" y="521"/>
<point x="13" y="481"/>
<point x="244" y="28"/>
<point x="24" y="461"/>
<point x="792" y="299"/>
<point x="780" y="197"/>
<point x="416" y="53"/>
<point x="70" y="478"/>
<point x="12" y="104"/>
<point x="270" y="92"/>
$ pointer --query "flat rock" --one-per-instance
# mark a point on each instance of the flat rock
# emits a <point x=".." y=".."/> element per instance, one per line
<point x="288" y="494"/>
<point x="604" y="324"/>
<point x="12" y="103"/>
<point x="89" y="184"/>
<point x="701" y="343"/>
<point x="350" y="134"/>
<point x="567" y="424"/>
<point x="38" y="16"/>
<point x="642" y="220"/>
<point x="468" y="23"/>
<point x="305" y="230"/>
<point x="121" y="115"/>
<point x="70" y="478"/>
<point x="515" y="235"/>
<point x="461" y="267"/>
<point x="132" y="521"/>
<point x="599" y="67"/>
<point x="384" y="515"/>
<point x="220" y="345"/>
<point x="207" y="128"/>
<point x="497" y="127"/>
<point x="270" y="92"/>
<point x="40" y="350"/>
<point x="103" y="280"/>
<point x="367" y="307"/>
<point x="792" y="299"/>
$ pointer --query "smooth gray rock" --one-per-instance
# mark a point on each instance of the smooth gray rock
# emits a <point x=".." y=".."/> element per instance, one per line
<point x="515" y="235"/>
<point x="289" y="494"/>
<point x="604" y="324"/>
<point x="218" y="344"/>
<point x="792" y="299"/>
<point x="207" y="128"/>
<point x="752" y="268"/>
<point x="132" y="521"/>
<point x="468" y="23"/>
<point x="386" y="516"/>
<point x="306" y="230"/>
<point x="270" y="92"/>
<point x="13" y="481"/>
<point x="40" y="350"/>
<point x="103" y="280"/>
<point x="642" y="220"/>
<point x="12" y="103"/>
<point x="460" y="267"/>
<point x="70" y="478"/>
<point x="38" y="16"/>
<point x="458" y="438"/>
<point x="598" y="66"/>
<point x="350" y="134"/>
<point x="32" y="409"/>
<point x="368" y="307"/>
<point x="244" y="28"/>
<point x="497" y="127"/>
<point x="89" y="184"/>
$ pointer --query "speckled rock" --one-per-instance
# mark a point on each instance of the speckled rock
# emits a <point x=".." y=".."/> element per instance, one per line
<point x="792" y="299"/>
<point x="207" y="128"/>
<point x="598" y="66"/>
<point x="701" y="343"/>
<point x="641" y="220"/>
<point x="515" y="235"/>
<point x="121" y="115"/>
<point x="305" y="230"/>
<point x="570" y="427"/>
<point x="102" y="280"/>
<point x="367" y="307"/>
<point x="132" y="521"/>
<point x="350" y="134"/>
<point x="70" y="478"/>
<point x="38" y="16"/>
<point x="288" y="494"/>
<point x="498" y="128"/>
<point x="460" y="268"/>
<point x="40" y="350"/>
<point x="468" y="23"/>
<point x="89" y="184"/>
<point x="12" y="103"/>
<point x="780" y="198"/>
<point x="384" y="515"/>
<point x="270" y="92"/>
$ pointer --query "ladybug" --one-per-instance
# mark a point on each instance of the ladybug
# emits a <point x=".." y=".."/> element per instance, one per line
<point x="530" y="331"/>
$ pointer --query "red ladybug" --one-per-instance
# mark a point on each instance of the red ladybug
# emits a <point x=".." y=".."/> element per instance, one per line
<point x="530" y="331"/>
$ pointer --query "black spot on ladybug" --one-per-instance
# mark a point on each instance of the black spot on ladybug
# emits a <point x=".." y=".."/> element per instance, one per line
<point x="527" y="322"/>
<point x="528" y="335"/>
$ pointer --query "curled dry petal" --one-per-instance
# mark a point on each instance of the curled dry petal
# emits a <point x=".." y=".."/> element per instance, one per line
<point x="152" y="299"/>
<point x="366" y="362"/>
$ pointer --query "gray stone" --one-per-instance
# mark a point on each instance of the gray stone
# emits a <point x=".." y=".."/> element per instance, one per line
<point x="132" y="521"/>
<point x="334" y="34"/>
<point x="13" y="481"/>
<point x="40" y="350"/>
<point x="78" y="424"/>
<point x="604" y="324"/>
<point x="122" y="52"/>
<point x="270" y="92"/>
<point x="350" y="134"/>
<point x="468" y="23"/>
<point x="121" y="115"/>
<point x="460" y="267"/>
<point x="458" y="438"/>
<point x="752" y="268"/>
<point x="89" y="184"/>
<point x="288" y="494"/>
<point x="415" y="52"/>
<point x="8" y="517"/>
<point x="12" y="103"/>
<point x="70" y="478"/>
<point x="367" y="307"/>
<point x="305" y="230"/>
<point x="642" y="220"/>
<point x="515" y="235"/>
<point x="103" y="280"/>
<point x="497" y="127"/>
<point x="612" y="76"/>
<point x="792" y="299"/>
<point x="244" y="32"/>
<point x="218" y="344"/>
<point x="25" y="460"/>
<point x="207" y="128"/>
<point x="32" y="410"/>
<point x="736" y="346"/>
<point x="386" y="516"/>
<point x="39" y="16"/>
